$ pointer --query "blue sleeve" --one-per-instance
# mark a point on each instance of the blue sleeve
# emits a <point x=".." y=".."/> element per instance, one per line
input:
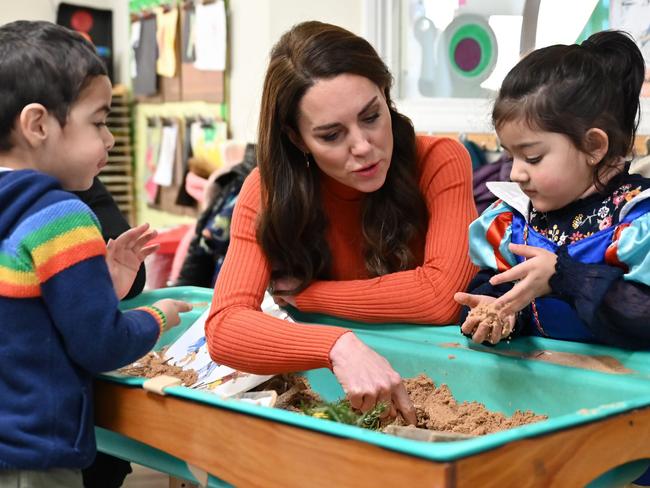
<point x="615" y="309"/>
<point x="67" y="253"/>
<point x="633" y="250"/>
<point x="489" y="236"/>
<point x="97" y="335"/>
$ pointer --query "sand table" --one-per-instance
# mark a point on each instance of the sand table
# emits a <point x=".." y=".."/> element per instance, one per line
<point x="436" y="409"/>
<point x="155" y="364"/>
<point x="294" y="392"/>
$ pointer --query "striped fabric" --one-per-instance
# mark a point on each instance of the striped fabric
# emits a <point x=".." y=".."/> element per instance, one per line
<point x="489" y="236"/>
<point x="46" y="243"/>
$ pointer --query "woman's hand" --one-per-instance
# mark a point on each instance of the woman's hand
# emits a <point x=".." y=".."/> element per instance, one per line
<point x="172" y="308"/>
<point x="280" y="287"/>
<point x="125" y="254"/>
<point x="532" y="278"/>
<point x="367" y="378"/>
<point x="485" y="321"/>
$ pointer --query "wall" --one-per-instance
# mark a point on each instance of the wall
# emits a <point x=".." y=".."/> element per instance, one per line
<point x="255" y="25"/>
<point x="46" y="10"/>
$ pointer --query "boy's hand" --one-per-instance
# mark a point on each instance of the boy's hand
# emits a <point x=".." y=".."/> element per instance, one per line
<point x="486" y="321"/>
<point x="125" y="254"/>
<point x="172" y="308"/>
<point x="532" y="278"/>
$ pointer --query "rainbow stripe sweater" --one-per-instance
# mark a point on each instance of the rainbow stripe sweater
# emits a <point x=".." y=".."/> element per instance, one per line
<point x="59" y="321"/>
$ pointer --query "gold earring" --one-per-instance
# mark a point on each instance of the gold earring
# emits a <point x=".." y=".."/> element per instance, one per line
<point x="307" y="159"/>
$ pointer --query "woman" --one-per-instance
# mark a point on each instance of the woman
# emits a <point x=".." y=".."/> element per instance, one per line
<point x="349" y="215"/>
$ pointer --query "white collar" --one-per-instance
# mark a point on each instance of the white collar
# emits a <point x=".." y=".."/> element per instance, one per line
<point x="510" y="193"/>
<point x="3" y="168"/>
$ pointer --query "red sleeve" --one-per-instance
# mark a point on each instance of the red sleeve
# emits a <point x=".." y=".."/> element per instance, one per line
<point x="239" y="334"/>
<point x="423" y="295"/>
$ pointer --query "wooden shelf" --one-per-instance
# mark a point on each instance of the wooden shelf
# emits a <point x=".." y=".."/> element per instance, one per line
<point x="118" y="175"/>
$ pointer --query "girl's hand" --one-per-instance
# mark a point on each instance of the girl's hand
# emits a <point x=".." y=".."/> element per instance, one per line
<point x="125" y="254"/>
<point x="172" y="309"/>
<point x="280" y="286"/>
<point x="486" y="321"/>
<point x="532" y="275"/>
<point x="367" y="378"/>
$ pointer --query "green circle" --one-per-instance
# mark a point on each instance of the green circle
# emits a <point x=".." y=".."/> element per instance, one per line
<point x="484" y="40"/>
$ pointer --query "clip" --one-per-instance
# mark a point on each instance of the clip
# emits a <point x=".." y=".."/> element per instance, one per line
<point x="158" y="384"/>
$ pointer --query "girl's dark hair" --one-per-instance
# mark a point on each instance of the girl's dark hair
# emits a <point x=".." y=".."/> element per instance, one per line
<point x="292" y="223"/>
<point x="44" y="63"/>
<point x="570" y="89"/>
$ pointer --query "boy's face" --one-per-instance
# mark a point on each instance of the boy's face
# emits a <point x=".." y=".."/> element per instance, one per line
<point x="77" y="152"/>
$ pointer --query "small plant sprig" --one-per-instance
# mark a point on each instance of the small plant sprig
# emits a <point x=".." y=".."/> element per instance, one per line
<point x="341" y="411"/>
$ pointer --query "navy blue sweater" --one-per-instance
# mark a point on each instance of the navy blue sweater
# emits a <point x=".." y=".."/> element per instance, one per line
<point x="60" y="324"/>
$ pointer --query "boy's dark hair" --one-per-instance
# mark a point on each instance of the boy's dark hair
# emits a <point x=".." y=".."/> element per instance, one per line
<point x="570" y="89"/>
<point x="44" y="63"/>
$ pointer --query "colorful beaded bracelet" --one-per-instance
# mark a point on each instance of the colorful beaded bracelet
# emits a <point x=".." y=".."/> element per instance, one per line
<point x="162" y="317"/>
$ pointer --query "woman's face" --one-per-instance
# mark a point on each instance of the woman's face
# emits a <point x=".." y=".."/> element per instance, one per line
<point x="345" y="124"/>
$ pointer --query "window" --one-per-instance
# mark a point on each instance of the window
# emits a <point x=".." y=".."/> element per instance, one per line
<point x="449" y="57"/>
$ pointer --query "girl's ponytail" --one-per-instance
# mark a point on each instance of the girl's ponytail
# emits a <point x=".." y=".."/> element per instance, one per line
<point x="624" y="65"/>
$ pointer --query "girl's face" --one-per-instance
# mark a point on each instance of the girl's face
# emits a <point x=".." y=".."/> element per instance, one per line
<point x="345" y="124"/>
<point x="549" y="169"/>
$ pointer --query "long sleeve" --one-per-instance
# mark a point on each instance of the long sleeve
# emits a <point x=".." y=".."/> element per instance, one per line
<point x="239" y="334"/>
<point x="423" y="295"/>
<point x="616" y="310"/>
<point x="62" y="249"/>
<point x="243" y="337"/>
<point x="489" y="236"/>
<point x="612" y="303"/>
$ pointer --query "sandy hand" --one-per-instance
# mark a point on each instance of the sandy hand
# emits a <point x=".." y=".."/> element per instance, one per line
<point x="485" y="321"/>
<point x="172" y="308"/>
<point x="368" y="379"/>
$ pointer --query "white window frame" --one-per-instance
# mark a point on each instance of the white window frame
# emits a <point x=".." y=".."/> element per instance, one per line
<point x="381" y="28"/>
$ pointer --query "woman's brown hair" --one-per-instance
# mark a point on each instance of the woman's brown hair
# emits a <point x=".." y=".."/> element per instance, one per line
<point x="292" y="223"/>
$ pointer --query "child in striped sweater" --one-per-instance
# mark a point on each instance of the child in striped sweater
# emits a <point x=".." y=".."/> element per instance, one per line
<point x="58" y="297"/>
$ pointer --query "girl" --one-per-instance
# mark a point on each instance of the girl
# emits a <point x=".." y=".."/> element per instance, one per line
<point x="349" y="214"/>
<point x="564" y="253"/>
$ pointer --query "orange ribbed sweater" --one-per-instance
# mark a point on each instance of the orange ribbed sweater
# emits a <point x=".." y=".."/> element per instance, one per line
<point x="241" y="336"/>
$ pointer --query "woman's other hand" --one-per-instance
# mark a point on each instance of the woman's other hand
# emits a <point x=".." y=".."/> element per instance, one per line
<point x="280" y="287"/>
